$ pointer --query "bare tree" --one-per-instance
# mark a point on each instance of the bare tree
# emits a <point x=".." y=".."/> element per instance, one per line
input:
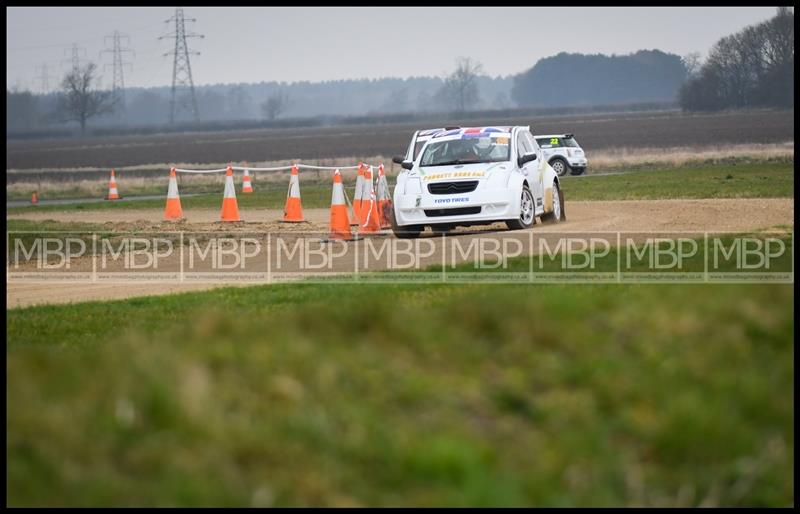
<point x="275" y="105"/>
<point x="692" y="63"/>
<point x="80" y="100"/>
<point x="460" y="88"/>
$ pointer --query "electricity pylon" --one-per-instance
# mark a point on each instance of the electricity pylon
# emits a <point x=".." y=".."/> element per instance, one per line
<point x="117" y="64"/>
<point x="183" y="97"/>
<point x="75" y="58"/>
<point x="43" y="77"/>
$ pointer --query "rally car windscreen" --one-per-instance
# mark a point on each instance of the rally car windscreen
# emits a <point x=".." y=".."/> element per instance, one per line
<point x="466" y="151"/>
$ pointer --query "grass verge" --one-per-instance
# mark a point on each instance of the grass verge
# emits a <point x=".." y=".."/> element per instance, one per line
<point x="712" y="181"/>
<point x="437" y="395"/>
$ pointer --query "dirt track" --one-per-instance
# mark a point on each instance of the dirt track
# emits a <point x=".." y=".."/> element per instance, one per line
<point x="629" y="216"/>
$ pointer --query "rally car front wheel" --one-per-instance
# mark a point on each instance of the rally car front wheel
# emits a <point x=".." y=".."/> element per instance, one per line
<point x="527" y="214"/>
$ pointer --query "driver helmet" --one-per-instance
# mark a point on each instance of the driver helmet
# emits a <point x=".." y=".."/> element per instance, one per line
<point x="483" y="143"/>
<point x="464" y="149"/>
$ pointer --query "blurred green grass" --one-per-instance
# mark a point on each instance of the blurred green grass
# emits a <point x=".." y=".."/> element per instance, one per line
<point x="774" y="180"/>
<point x="391" y="395"/>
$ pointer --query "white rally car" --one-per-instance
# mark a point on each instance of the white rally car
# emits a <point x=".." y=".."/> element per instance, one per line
<point x="476" y="176"/>
<point x="563" y="153"/>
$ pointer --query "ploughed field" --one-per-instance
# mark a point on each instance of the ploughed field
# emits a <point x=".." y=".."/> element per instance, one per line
<point x="594" y="132"/>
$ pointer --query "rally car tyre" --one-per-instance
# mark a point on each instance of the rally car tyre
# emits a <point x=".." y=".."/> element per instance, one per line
<point x="557" y="214"/>
<point x="527" y="216"/>
<point x="560" y="166"/>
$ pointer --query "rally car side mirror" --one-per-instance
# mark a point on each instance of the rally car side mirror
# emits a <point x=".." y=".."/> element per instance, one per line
<point x="398" y="159"/>
<point x="407" y="165"/>
<point x="528" y="157"/>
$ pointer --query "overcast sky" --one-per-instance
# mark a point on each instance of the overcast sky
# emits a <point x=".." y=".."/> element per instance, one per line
<point x="253" y="44"/>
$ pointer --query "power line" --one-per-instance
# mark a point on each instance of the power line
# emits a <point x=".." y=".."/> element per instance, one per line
<point x="118" y="83"/>
<point x="183" y="97"/>
<point x="138" y="30"/>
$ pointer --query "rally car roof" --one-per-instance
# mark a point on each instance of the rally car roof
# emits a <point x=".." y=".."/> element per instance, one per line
<point x="474" y="131"/>
<point x="455" y="130"/>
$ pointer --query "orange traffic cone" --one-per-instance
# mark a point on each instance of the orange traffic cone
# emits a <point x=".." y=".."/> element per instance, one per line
<point x="340" y="225"/>
<point x="230" y="208"/>
<point x="173" y="209"/>
<point x="112" y="187"/>
<point x="384" y="199"/>
<point x="293" y="210"/>
<point x="369" y="207"/>
<point x="247" y="185"/>
<point x="356" y="218"/>
<point x="34" y="198"/>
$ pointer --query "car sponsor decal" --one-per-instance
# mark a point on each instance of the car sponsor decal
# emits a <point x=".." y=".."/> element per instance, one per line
<point x="451" y="200"/>
<point x="453" y="174"/>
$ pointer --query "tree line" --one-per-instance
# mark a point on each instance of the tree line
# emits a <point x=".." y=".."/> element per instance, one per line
<point x="751" y="68"/>
<point x="580" y="79"/>
<point x="265" y="100"/>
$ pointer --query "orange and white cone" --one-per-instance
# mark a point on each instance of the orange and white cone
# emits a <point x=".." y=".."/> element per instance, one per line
<point x="34" y="198"/>
<point x="340" y="224"/>
<point x="247" y="185"/>
<point x="356" y="218"/>
<point x="230" y="208"/>
<point x="173" y="210"/>
<point x="369" y="206"/>
<point x="113" y="194"/>
<point x="384" y="199"/>
<point x="293" y="210"/>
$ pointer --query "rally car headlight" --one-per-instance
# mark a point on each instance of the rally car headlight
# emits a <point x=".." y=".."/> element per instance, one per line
<point x="497" y="180"/>
<point x="413" y="186"/>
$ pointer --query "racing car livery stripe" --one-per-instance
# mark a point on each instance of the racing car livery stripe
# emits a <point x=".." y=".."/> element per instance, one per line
<point x="453" y="137"/>
<point x="447" y="133"/>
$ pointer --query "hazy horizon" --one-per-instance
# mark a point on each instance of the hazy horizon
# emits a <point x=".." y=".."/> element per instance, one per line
<point x="340" y="43"/>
